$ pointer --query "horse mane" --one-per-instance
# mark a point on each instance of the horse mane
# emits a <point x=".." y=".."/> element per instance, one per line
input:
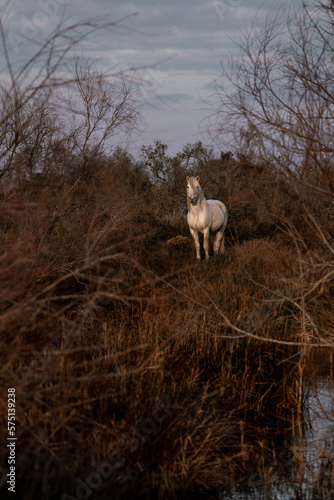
<point x="201" y="193"/>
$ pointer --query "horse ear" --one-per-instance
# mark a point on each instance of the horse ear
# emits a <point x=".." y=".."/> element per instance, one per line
<point x="188" y="178"/>
<point x="197" y="178"/>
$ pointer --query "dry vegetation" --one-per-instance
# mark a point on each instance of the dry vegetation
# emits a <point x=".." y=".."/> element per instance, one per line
<point x="138" y="373"/>
<point x="107" y="322"/>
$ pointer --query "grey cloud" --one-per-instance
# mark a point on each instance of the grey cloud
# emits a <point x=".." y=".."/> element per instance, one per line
<point x="168" y="100"/>
<point x="183" y="41"/>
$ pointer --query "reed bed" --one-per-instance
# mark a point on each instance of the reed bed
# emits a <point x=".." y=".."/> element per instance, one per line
<point x="139" y="373"/>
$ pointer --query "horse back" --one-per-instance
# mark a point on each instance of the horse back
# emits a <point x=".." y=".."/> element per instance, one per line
<point x="218" y="214"/>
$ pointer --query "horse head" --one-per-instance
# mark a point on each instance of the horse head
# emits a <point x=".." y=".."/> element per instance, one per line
<point x="193" y="189"/>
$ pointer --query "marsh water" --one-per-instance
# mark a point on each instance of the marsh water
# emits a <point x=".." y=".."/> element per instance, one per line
<point x="303" y="467"/>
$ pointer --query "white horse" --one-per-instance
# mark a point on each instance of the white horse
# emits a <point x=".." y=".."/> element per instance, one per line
<point x="205" y="216"/>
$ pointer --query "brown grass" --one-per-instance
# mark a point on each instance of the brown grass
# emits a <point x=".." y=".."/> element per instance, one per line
<point x="120" y="353"/>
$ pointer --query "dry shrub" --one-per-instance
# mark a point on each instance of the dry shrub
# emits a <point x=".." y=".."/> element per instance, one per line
<point x="109" y="322"/>
<point x="263" y="257"/>
<point x="95" y="341"/>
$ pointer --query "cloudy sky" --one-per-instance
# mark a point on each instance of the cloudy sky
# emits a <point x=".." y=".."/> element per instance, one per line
<point x="176" y="48"/>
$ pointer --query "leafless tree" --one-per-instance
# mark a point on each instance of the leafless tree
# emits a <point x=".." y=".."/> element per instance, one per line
<point x="26" y="119"/>
<point x="281" y="84"/>
<point x="280" y="90"/>
<point x="100" y="107"/>
<point x="27" y="134"/>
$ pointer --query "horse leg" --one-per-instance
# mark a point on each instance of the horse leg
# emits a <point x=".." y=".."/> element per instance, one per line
<point x="219" y="244"/>
<point x="206" y="244"/>
<point x="194" y="234"/>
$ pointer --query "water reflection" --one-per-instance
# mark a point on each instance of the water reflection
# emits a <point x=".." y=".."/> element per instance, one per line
<point x="317" y="445"/>
<point x="304" y="468"/>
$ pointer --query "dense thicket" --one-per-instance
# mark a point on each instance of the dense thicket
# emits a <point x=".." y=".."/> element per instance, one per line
<point x="139" y="373"/>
